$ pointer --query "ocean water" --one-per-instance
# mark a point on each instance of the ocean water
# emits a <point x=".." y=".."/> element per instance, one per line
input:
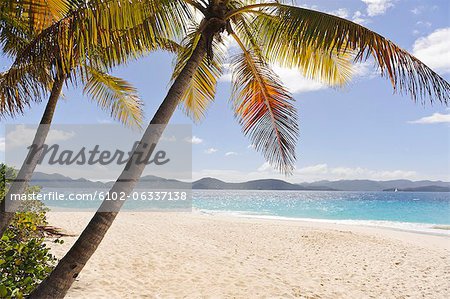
<point x="427" y="212"/>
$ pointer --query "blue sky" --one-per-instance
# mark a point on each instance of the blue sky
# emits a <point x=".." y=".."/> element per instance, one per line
<point x="361" y="131"/>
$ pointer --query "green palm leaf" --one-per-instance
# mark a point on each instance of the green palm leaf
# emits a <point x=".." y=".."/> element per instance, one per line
<point x="202" y="88"/>
<point x="290" y="27"/>
<point x="19" y="87"/>
<point x="95" y="32"/>
<point x="108" y="25"/>
<point x="115" y="95"/>
<point x="14" y="32"/>
<point x="334" y="69"/>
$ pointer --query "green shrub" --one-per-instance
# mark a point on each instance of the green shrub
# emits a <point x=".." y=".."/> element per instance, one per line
<point x="23" y="265"/>
<point x="25" y="260"/>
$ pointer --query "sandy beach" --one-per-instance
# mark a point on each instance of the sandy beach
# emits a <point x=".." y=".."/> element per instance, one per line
<point x="192" y="255"/>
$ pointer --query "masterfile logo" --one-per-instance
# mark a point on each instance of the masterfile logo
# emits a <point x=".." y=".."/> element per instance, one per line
<point x="83" y="166"/>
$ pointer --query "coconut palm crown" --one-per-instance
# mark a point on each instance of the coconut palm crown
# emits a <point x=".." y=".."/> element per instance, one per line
<point x="319" y="45"/>
<point x="24" y="22"/>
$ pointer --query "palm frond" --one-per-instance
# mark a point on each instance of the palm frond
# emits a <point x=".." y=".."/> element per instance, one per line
<point x="16" y="23"/>
<point x="295" y="25"/>
<point x="37" y="14"/>
<point x="97" y="32"/>
<point x="115" y="95"/>
<point x="19" y="87"/>
<point x="14" y="35"/>
<point x="108" y="25"/>
<point x="124" y="51"/>
<point x="334" y="69"/>
<point x="23" y="83"/>
<point x="264" y="109"/>
<point x="202" y="88"/>
<point x="42" y="13"/>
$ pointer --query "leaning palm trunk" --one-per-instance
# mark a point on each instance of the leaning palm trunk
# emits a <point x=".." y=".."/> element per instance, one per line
<point x="67" y="270"/>
<point x="26" y="171"/>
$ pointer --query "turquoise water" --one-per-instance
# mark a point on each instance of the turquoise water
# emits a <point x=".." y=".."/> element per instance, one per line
<point x="418" y="211"/>
<point x="413" y="210"/>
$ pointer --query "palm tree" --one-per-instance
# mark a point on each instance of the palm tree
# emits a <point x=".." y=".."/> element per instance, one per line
<point x="22" y="22"/>
<point x="317" y="44"/>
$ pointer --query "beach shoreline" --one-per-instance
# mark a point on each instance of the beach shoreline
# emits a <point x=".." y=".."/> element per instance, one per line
<point x="160" y="255"/>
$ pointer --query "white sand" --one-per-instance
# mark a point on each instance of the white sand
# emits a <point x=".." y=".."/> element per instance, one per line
<point x="183" y="255"/>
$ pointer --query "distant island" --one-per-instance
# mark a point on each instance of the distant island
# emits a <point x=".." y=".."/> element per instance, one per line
<point x="59" y="181"/>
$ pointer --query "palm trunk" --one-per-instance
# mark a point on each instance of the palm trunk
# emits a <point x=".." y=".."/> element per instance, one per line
<point x="67" y="270"/>
<point x="20" y="184"/>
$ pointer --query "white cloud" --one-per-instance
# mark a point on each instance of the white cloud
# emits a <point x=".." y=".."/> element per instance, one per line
<point x="59" y="135"/>
<point x="231" y="154"/>
<point x="194" y="140"/>
<point x="341" y="12"/>
<point x="323" y="171"/>
<point x="436" y="118"/>
<point x="197" y="15"/>
<point x="424" y="24"/>
<point x="365" y="69"/>
<point x="230" y="44"/>
<point x="313" y="7"/>
<point x="295" y="82"/>
<point x="417" y="10"/>
<point x="226" y="76"/>
<point x="312" y="173"/>
<point x="211" y="150"/>
<point x="377" y="7"/>
<point x="2" y="144"/>
<point x="23" y="136"/>
<point x="434" y="50"/>
<point x="314" y="169"/>
<point x="423" y="9"/>
<point x="292" y="79"/>
<point x="359" y="18"/>
<point x="252" y="146"/>
<point x="265" y="167"/>
<point x="356" y="173"/>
